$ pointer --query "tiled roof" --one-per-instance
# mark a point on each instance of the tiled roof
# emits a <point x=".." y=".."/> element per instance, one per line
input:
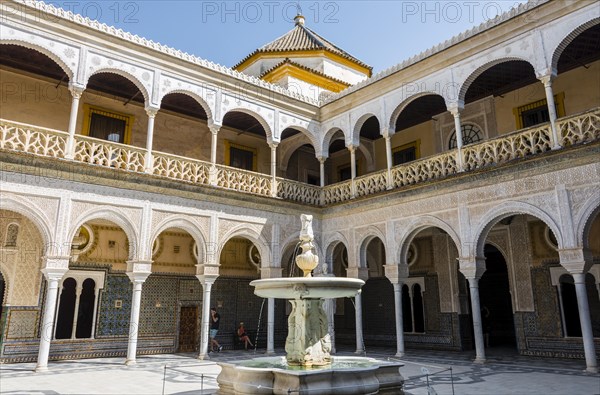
<point x="301" y="38"/>
<point x="300" y="66"/>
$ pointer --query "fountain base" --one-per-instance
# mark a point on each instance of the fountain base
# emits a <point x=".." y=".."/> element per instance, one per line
<point x="345" y="375"/>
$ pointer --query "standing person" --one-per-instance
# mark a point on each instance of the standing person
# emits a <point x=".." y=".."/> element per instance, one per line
<point x="215" y="319"/>
<point x="241" y="332"/>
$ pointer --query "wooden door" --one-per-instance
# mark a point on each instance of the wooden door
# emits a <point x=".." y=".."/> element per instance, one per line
<point x="188" y="329"/>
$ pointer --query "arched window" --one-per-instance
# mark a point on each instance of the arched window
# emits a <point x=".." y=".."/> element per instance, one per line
<point x="12" y="233"/>
<point x="77" y="307"/>
<point x="419" y="318"/>
<point x="470" y="134"/>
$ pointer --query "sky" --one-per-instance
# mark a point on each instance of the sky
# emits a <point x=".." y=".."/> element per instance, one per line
<point x="379" y="33"/>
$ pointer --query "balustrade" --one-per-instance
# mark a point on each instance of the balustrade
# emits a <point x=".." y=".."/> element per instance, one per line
<point x="576" y="129"/>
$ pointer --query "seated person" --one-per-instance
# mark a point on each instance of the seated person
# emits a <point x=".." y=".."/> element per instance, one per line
<point x="243" y="336"/>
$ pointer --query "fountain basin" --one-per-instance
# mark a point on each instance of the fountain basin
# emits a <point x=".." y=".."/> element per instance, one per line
<point x="307" y="287"/>
<point x="345" y="375"/>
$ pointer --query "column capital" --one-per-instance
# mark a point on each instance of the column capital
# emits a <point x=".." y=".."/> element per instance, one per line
<point x="152" y="111"/>
<point x="472" y="267"/>
<point x="396" y="273"/>
<point x="546" y="78"/>
<point x="386" y="132"/>
<point x="76" y="90"/>
<point x="139" y="266"/>
<point x="55" y="274"/>
<point x="456" y="107"/>
<point x="273" y="145"/>
<point x="214" y="128"/>
<point x="207" y="272"/>
<point x="352" y="148"/>
<point x="56" y="262"/>
<point x="575" y="260"/>
<point x="321" y="159"/>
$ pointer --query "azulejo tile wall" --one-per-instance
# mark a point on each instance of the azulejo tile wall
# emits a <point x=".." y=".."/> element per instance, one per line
<point x="115" y="307"/>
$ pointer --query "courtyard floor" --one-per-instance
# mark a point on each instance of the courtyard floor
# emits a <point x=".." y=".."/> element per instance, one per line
<point x="504" y="373"/>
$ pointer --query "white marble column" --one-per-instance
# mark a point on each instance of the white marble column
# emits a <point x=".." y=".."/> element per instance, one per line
<point x="273" y="169"/>
<point x="547" y="81"/>
<point x="53" y="275"/>
<point x="149" y="162"/>
<point x="459" y="137"/>
<point x="207" y="287"/>
<point x="322" y="160"/>
<point x="137" y="278"/>
<point x="270" y="326"/>
<point x="352" y="150"/>
<point x="390" y="161"/>
<point x="76" y="92"/>
<point x="399" y="319"/>
<point x="360" y="345"/>
<point x="586" y="323"/>
<point x="96" y="301"/>
<point x="78" y="291"/>
<point x="476" y="314"/>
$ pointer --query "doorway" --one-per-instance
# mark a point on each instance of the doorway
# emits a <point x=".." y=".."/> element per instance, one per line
<point x="496" y="304"/>
<point x="188" y="329"/>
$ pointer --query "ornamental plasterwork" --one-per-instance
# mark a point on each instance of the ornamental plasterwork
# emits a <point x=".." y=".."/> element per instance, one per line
<point x="230" y="102"/>
<point x="64" y="54"/>
<point x="579" y="197"/>
<point x="170" y="84"/>
<point x="98" y="62"/>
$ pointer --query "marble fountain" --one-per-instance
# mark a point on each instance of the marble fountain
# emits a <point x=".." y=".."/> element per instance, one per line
<point x="308" y="367"/>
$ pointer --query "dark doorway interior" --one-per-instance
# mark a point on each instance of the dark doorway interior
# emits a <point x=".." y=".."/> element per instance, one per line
<point x="496" y="306"/>
<point x="188" y="329"/>
<point x="66" y="310"/>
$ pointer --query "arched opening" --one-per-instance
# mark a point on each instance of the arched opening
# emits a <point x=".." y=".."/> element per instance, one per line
<point x="416" y="128"/>
<point x="339" y="164"/>
<point x="175" y="250"/>
<point x="417" y="309"/>
<point x="66" y="309"/>
<point x="181" y="127"/>
<point x="372" y="140"/>
<point x="303" y="166"/>
<point x="495" y="301"/>
<point x="30" y="77"/>
<point x="579" y="66"/>
<point x="244" y="139"/>
<point x="377" y="297"/>
<point x="345" y="321"/>
<point x="234" y="298"/>
<point x="2" y="291"/>
<point x="85" y="312"/>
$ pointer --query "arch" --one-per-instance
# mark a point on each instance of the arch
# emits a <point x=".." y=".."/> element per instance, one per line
<point x="330" y="245"/>
<point x="205" y="106"/>
<point x="255" y="115"/>
<point x="112" y="215"/>
<point x="464" y="87"/>
<point x="293" y="145"/>
<point x="32" y="213"/>
<point x="403" y="104"/>
<point x="501" y="250"/>
<point x="507" y="209"/>
<point x="419" y="224"/>
<point x="125" y="75"/>
<point x="372" y="234"/>
<point x="584" y="220"/>
<point x="247" y="232"/>
<point x="359" y="124"/>
<point x="55" y="57"/>
<point x="327" y="140"/>
<point x="306" y="133"/>
<point x="3" y="297"/>
<point x="569" y="39"/>
<point x="179" y="222"/>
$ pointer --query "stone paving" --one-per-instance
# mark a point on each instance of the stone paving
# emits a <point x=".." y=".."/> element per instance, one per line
<point x="183" y="375"/>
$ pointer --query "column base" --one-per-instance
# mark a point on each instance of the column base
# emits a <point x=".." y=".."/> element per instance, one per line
<point x="360" y="352"/>
<point x="270" y="352"/>
<point x="41" y="369"/>
<point x="130" y="362"/>
<point x="399" y="354"/>
<point x="203" y="357"/>
<point x="479" y="360"/>
<point x="592" y="369"/>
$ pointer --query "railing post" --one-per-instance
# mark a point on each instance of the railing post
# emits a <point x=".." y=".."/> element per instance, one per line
<point x="322" y="160"/>
<point x="149" y="165"/>
<point x="76" y="92"/>
<point x="390" y="163"/>
<point x="547" y="81"/>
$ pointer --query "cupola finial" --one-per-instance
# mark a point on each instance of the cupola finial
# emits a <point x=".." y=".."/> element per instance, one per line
<point x="299" y="19"/>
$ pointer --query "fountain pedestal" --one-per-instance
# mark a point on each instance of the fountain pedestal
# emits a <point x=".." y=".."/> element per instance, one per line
<point x="308" y="343"/>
